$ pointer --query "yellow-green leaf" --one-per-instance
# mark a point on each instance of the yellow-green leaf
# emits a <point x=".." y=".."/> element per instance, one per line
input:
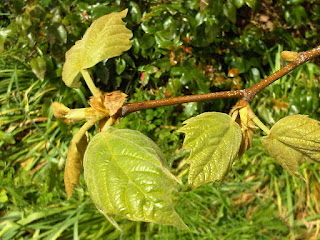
<point x="73" y="65"/>
<point x="107" y="37"/>
<point x="214" y="140"/>
<point x="293" y="140"/>
<point x="73" y="166"/>
<point x="126" y="175"/>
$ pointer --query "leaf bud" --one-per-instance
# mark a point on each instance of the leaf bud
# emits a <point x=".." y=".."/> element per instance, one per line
<point x="289" y="56"/>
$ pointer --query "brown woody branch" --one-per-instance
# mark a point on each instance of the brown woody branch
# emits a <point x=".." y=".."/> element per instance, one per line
<point x="245" y="94"/>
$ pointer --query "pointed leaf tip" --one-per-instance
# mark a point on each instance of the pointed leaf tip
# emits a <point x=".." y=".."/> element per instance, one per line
<point x="293" y="140"/>
<point x="107" y="37"/>
<point x="214" y="140"/>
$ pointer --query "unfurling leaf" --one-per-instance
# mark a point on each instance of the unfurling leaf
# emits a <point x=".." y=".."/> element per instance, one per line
<point x="74" y="163"/>
<point x="293" y="140"/>
<point x="59" y="110"/>
<point x="214" y="140"/>
<point x="107" y="37"/>
<point x="125" y="174"/>
<point x="71" y="116"/>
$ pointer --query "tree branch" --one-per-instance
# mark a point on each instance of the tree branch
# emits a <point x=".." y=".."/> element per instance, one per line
<point x="137" y="106"/>
<point x="302" y="58"/>
<point x="246" y="94"/>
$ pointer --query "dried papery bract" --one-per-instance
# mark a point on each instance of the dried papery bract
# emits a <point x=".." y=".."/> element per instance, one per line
<point x="109" y="103"/>
<point x="114" y="101"/>
<point x="244" y="119"/>
<point x="97" y="103"/>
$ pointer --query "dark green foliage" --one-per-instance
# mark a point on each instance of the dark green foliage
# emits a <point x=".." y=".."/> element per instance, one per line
<point x="179" y="48"/>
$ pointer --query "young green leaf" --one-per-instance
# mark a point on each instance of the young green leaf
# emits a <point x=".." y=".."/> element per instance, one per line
<point x="293" y="140"/>
<point x="107" y="37"/>
<point x="214" y="140"/>
<point x="125" y="174"/>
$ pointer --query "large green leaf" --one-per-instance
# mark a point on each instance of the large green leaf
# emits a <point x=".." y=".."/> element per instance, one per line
<point x="293" y="140"/>
<point x="125" y="174"/>
<point x="214" y="140"/>
<point x="107" y="37"/>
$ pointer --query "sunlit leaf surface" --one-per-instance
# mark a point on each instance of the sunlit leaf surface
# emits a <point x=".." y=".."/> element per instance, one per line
<point x="214" y="141"/>
<point x="293" y="140"/>
<point x="107" y="37"/>
<point x="125" y="174"/>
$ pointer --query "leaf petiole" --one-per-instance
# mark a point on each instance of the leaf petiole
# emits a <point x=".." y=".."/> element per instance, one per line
<point x="109" y="123"/>
<point x="93" y="89"/>
<point x="263" y="127"/>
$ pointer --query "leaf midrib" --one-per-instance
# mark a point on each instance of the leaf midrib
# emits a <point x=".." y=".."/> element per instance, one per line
<point x="116" y="162"/>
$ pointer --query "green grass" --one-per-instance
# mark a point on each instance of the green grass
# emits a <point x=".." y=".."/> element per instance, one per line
<point x="258" y="200"/>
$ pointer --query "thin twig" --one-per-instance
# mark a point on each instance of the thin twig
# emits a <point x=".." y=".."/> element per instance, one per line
<point x="302" y="58"/>
<point x="246" y="94"/>
<point x="137" y="106"/>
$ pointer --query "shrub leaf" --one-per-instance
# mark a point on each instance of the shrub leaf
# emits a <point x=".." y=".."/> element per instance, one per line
<point x="293" y="140"/>
<point x="214" y="140"/>
<point x="39" y="67"/>
<point x="107" y="37"/>
<point x="125" y="174"/>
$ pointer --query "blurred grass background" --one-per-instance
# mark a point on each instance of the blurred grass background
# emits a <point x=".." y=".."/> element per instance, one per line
<point x="179" y="47"/>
